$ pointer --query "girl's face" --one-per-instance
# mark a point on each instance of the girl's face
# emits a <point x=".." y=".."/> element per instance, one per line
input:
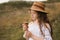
<point x="33" y="15"/>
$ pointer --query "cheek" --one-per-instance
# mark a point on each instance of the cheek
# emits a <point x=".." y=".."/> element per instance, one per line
<point x="34" y="16"/>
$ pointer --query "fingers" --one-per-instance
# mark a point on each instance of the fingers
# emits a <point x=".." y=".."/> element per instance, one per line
<point x="28" y="33"/>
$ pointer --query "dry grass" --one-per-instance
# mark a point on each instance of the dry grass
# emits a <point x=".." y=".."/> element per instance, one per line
<point x="11" y="19"/>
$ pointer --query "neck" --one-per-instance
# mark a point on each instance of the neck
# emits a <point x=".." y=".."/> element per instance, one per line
<point x="35" y="21"/>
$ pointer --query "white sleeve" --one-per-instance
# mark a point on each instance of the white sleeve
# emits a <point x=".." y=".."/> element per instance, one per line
<point x="47" y="35"/>
<point x="24" y="34"/>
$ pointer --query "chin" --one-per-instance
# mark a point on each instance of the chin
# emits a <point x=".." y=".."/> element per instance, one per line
<point x="33" y="19"/>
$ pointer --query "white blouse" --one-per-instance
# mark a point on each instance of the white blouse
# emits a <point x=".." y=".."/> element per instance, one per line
<point x="34" y="29"/>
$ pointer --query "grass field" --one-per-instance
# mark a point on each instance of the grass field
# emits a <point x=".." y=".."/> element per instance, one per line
<point x="12" y="15"/>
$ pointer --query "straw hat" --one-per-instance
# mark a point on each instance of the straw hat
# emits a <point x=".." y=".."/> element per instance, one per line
<point x="38" y="6"/>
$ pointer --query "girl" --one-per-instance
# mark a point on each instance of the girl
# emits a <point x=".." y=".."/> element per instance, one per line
<point x="39" y="27"/>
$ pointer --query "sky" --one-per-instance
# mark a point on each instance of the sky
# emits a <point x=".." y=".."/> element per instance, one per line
<point x="28" y="0"/>
<point x="35" y="0"/>
<point x="3" y="1"/>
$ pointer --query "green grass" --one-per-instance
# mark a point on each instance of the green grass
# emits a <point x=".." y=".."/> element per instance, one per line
<point x="11" y="33"/>
<point x="12" y="16"/>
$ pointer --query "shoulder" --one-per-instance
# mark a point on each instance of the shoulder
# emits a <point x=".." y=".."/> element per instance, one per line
<point x="30" y="23"/>
<point x="47" y="26"/>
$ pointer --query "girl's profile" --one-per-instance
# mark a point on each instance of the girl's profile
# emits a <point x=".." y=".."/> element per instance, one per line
<point x="40" y="27"/>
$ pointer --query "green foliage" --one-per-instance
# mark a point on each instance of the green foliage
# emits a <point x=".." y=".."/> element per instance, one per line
<point x="18" y="4"/>
<point x="56" y="27"/>
<point x="11" y="33"/>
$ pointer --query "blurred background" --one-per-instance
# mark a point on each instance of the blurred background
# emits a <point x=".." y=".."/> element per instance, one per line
<point x="13" y="13"/>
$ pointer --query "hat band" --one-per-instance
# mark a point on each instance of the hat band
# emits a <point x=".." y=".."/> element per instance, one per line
<point x="39" y="7"/>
